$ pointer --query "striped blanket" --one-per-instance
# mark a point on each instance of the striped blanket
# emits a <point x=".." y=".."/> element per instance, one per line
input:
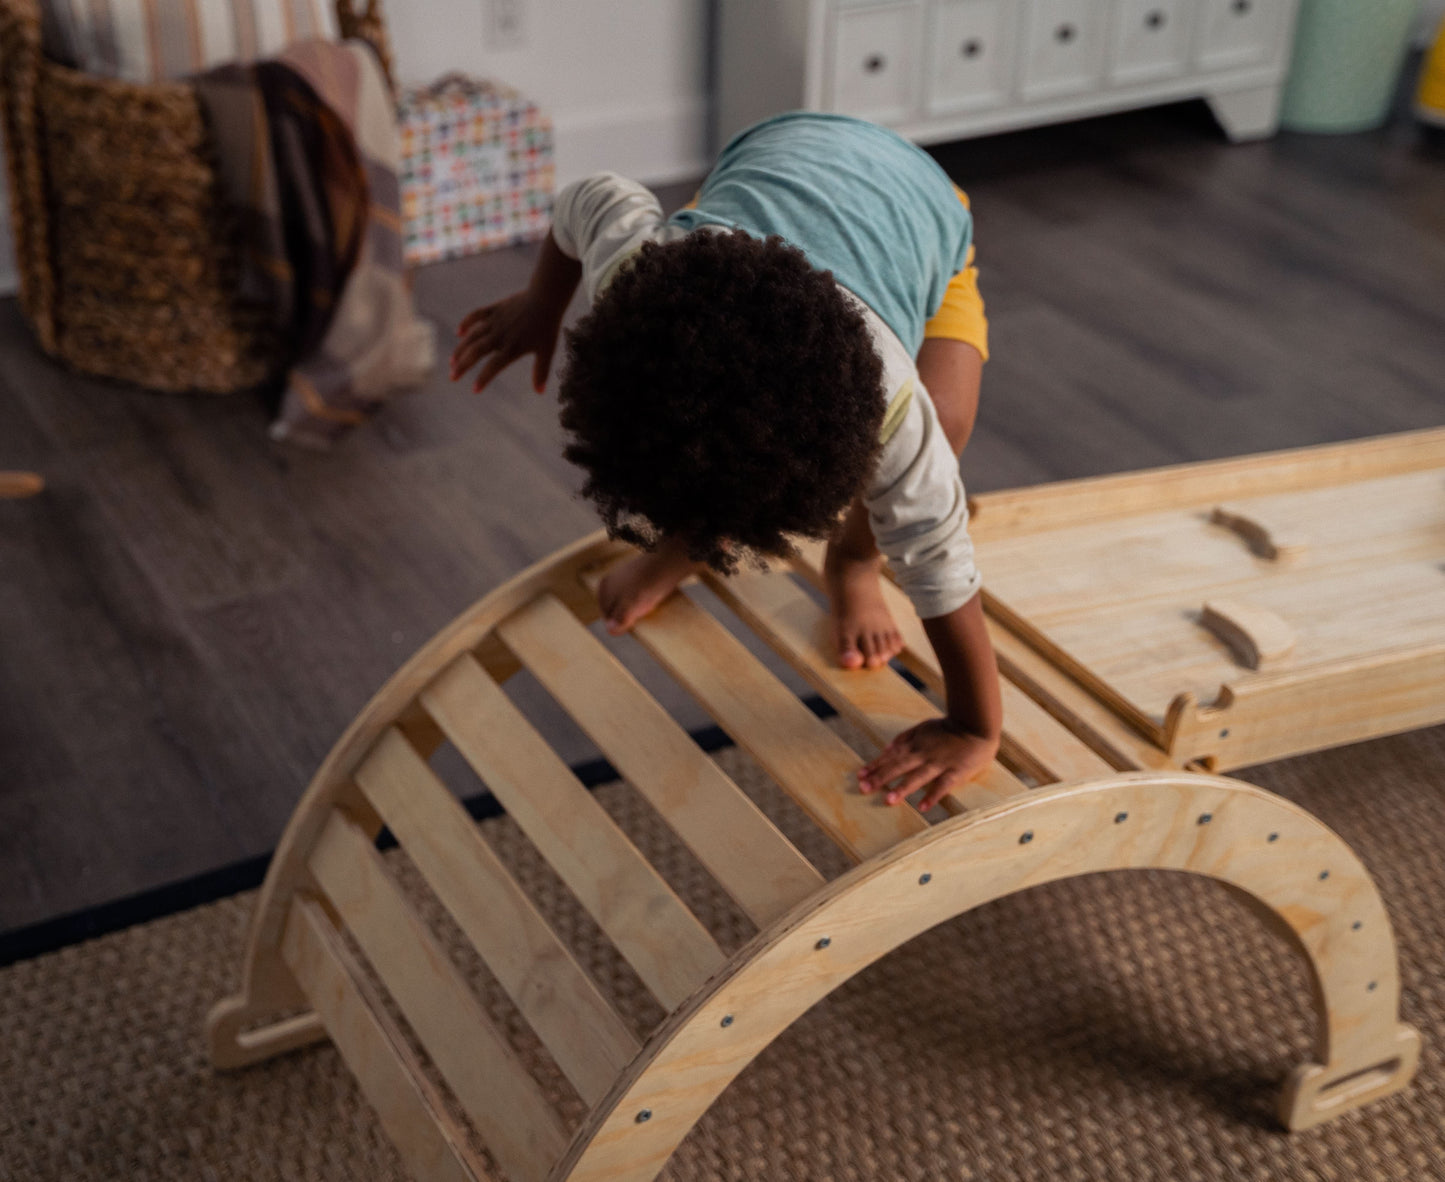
<point x="309" y="155"/>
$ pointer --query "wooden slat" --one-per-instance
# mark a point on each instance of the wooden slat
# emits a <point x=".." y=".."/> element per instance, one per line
<point x="590" y="1042"/>
<point x="494" y="1088"/>
<point x="1090" y="719"/>
<point x="878" y="701"/>
<point x="412" y="1113"/>
<point x="1069" y="502"/>
<point x="1032" y="739"/>
<point x="808" y="761"/>
<point x="751" y="859"/>
<point x="671" y="951"/>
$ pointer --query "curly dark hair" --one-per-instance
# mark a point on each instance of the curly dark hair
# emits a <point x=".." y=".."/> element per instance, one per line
<point x="724" y="392"/>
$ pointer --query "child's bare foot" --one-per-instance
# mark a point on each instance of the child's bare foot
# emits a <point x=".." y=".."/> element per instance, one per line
<point x="863" y="627"/>
<point x="628" y="592"/>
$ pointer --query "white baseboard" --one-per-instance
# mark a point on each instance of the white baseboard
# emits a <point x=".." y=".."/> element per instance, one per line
<point x="654" y="145"/>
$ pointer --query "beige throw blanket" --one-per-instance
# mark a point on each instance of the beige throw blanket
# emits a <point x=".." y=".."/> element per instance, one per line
<point x="309" y="154"/>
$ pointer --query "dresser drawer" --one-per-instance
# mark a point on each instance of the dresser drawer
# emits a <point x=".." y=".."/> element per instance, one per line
<point x="972" y="50"/>
<point x="874" y="70"/>
<point x="1151" y="39"/>
<point x="1241" y="32"/>
<point x="1064" y="44"/>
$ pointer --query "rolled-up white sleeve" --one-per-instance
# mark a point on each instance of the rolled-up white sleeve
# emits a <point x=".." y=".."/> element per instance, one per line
<point x="600" y="221"/>
<point x="919" y="513"/>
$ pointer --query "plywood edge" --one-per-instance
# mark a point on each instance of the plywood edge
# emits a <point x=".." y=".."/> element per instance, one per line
<point x="1270" y="715"/>
<point x="1013" y="512"/>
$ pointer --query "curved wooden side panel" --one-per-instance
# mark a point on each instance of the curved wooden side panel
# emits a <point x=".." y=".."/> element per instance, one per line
<point x="267" y="984"/>
<point x="1294" y="866"/>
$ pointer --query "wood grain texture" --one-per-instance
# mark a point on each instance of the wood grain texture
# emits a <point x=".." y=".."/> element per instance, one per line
<point x="410" y="1109"/>
<point x="762" y="871"/>
<point x="877" y="701"/>
<point x="671" y="951"/>
<point x="1143" y="820"/>
<point x="580" y="1028"/>
<point x="1034" y="742"/>
<point x="808" y="761"/>
<point x="495" y="1089"/>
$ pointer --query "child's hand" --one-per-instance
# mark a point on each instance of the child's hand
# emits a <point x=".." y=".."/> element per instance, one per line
<point x="506" y="330"/>
<point x="937" y="756"/>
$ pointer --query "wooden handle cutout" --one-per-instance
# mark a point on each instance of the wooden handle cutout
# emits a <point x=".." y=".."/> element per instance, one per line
<point x="1255" y="636"/>
<point x="1267" y="543"/>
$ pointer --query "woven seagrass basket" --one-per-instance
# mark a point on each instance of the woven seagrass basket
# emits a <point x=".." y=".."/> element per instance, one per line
<point x="127" y="256"/>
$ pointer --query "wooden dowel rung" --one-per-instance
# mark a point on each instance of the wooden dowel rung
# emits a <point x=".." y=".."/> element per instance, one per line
<point x="751" y="859"/>
<point x="662" y="940"/>
<point x="877" y="701"/>
<point x="585" y="1035"/>
<point x="808" y="761"/>
<point x="412" y="1113"/>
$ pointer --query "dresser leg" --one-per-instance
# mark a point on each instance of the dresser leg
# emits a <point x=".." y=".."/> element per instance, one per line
<point x="1251" y="114"/>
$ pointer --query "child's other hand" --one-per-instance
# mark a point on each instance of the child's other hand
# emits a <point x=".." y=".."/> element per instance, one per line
<point x="936" y="756"/>
<point x="502" y="332"/>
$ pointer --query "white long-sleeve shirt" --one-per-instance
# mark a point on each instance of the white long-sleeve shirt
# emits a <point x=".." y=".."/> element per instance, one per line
<point x="915" y="497"/>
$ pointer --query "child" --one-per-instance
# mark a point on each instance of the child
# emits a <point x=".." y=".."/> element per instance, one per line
<point x="747" y="373"/>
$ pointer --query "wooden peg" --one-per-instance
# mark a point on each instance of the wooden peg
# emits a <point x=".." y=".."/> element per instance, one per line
<point x="1255" y="635"/>
<point x="1261" y="539"/>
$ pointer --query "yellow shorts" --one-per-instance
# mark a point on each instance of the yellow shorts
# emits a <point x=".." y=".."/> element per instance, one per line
<point x="960" y="317"/>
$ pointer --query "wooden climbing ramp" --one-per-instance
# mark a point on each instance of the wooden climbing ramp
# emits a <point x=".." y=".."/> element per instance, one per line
<point x="337" y="945"/>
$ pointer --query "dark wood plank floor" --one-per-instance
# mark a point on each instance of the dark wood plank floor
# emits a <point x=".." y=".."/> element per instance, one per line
<point x="189" y="616"/>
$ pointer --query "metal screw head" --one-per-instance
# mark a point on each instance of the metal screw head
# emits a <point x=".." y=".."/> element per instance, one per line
<point x="823" y="943"/>
<point x="1356" y="926"/>
<point x="727" y="1020"/>
<point x="1205" y="818"/>
<point x="924" y="879"/>
<point x="1274" y="837"/>
<point x="644" y="1116"/>
<point x="1026" y="838"/>
<point x="1120" y="818"/>
<point x="1224" y="734"/>
<point x="1373" y="986"/>
<point x="1324" y="874"/>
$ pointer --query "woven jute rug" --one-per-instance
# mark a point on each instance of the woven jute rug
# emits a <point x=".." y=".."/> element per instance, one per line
<point x="1121" y="1026"/>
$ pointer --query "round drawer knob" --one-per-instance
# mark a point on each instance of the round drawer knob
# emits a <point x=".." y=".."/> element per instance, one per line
<point x="972" y="47"/>
<point x="874" y="62"/>
<point x="1065" y="33"/>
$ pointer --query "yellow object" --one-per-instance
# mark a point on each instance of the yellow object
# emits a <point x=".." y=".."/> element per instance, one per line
<point x="1430" y="101"/>
<point x="897" y="408"/>
<point x="961" y="317"/>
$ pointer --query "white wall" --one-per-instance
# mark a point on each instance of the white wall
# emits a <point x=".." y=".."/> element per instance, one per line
<point x="625" y="81"/>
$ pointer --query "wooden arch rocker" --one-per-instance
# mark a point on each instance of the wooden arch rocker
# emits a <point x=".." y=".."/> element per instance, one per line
<point x="1086" y="813"/>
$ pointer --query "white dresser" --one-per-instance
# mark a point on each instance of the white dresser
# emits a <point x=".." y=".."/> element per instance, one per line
<point x="947" y="69"/>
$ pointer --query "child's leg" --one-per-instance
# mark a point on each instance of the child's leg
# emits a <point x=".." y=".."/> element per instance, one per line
<point x="631" y="590"/>
<point x="863" y="629"/>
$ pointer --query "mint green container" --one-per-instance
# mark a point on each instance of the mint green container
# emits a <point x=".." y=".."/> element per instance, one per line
<point x="1347" y="59"/>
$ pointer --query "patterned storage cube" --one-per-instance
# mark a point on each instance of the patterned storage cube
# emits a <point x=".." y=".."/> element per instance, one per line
<point x="477" y="169"/>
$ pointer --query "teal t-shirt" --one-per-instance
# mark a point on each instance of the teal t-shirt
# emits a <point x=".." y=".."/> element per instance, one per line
<point x="856" y="199"/>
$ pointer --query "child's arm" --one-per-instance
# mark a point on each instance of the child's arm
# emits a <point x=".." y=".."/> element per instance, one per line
<point x="528" y="321"/>
<point x="596" y="223"/>
<point x="941" y="754"/>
